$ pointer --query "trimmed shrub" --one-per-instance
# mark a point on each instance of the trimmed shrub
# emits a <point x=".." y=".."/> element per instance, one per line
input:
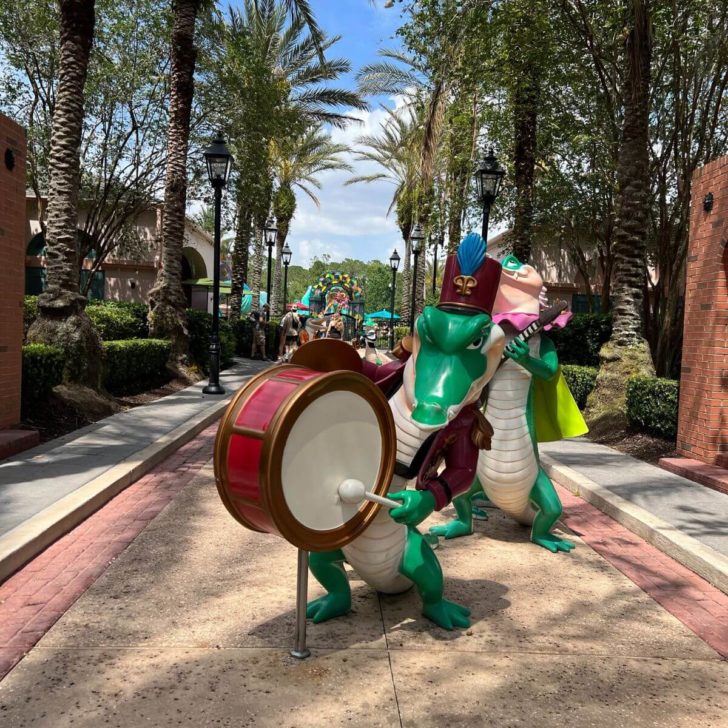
<point x="133" y="365"/>
<point x="580" y="341"/>
<point x="119" y="320"/>
<point x="581" y="381"/>
<point x="400" y="332"/>
<point x="42" y="370"/>
<point x="199" y="325"/>
<point x="243" y="332"/>
<point x="652" y="405"/>
<point x="30" y="312"/>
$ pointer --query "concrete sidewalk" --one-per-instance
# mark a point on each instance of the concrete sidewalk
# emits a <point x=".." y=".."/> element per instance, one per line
<point x="684" y="519"/>
<point x="192" y="623"/>
<point x="47" y="490"/>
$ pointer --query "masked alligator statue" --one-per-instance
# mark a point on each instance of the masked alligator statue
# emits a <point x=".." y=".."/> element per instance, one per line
<point x="455" y="350"/>
<point x="528" y="402"/>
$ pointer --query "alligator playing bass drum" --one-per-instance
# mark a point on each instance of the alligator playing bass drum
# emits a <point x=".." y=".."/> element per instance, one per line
<point x="288" y="440"/>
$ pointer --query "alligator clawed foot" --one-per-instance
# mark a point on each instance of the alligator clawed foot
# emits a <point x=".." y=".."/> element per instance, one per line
<point x="453" y="529"/>
<point x="328" y="607"/>
<point x="553" y="543"/>
<point x="447" y="615"/>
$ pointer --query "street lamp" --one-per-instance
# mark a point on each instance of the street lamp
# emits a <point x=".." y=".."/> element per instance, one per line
<point x="416" y="237"/>
<point x="287" y="255"/>
<point x="488" y="177"/>
<point x="394" y="265"/>
<point x="218" y="160"/>
<point x="271" y="232"/>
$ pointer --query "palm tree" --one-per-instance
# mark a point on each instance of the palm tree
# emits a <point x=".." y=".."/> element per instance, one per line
<point x="275" y="80"/>
<point x="167" y="300"/>
<point x="395" y="150"/>
<point x="167" y="314"/>
<point x="62" y="320"/>
<point x="297" y="162"/>
<point x="627" y="353"/>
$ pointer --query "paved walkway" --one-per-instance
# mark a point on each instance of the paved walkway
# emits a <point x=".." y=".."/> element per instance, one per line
<point x="37" y="478"/>
<point x="690" y="508"/>
<point x="192" y="623"/>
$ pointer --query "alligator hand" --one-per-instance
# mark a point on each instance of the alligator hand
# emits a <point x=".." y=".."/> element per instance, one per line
<point x="416" y="506"/>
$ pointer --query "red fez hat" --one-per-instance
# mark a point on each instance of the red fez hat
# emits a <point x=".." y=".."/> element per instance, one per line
<point x="470" y="281"/>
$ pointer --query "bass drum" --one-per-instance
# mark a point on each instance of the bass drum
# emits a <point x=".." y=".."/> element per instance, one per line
<point x="289" y="438"/>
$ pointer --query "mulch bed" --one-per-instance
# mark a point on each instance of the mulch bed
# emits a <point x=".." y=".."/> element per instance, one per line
<point x="641" y="446"/>
<point x="56" y="418"/>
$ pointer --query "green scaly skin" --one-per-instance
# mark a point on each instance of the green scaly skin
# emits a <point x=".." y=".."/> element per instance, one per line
<point x="543" y="496"/>
<point x="451" y="356"/>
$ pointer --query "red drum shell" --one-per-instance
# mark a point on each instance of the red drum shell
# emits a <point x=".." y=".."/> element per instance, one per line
<point x="250" y="445"/>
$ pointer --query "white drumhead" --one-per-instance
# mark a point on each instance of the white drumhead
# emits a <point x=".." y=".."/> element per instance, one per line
<point x="336" y="437"/>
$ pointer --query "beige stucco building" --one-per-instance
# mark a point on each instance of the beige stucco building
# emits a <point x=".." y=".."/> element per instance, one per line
<point x="124" y="279"/>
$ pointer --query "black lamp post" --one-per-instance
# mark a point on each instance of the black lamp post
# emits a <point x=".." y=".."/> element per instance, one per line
<point x="271" y="231"/>
<point x="219" y="161"/>
<point x="416" y="237"/>
<point x="488" y="177"/>
<point x="287" y="255"/>
<point x="394" y="265"/>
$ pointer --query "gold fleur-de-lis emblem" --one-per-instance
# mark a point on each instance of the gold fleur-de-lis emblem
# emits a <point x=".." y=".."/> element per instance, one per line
<point x="465" y="284"/>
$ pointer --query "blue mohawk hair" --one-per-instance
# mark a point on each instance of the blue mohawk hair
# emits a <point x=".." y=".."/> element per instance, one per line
<point x="471" y="253"/>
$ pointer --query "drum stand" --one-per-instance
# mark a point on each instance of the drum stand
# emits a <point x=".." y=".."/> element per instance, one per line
<point x="300" y="651"/>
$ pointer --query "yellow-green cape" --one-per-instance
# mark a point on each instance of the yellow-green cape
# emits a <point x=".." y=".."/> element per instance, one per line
<point x="555" y="412"/>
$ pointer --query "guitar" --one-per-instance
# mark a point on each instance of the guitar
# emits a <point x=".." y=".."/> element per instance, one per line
<point x="544" y="319"/>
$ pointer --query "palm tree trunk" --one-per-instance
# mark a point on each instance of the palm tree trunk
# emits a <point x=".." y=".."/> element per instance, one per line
<point x="240" y="264"/>
<point x="277" y="305"/>
<point x="405" y="281"/>
<point x="258" y="254"/>
<point x="62" y="319"/>
<point x="627" y="353"/>
<point x="167" y="315"/>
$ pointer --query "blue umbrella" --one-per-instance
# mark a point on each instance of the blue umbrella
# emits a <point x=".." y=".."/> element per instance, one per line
<point x="383" y="314"/>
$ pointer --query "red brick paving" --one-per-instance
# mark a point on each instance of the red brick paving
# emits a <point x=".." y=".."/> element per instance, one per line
<point x="696" y="603"/>
<point x="34" y="598"/>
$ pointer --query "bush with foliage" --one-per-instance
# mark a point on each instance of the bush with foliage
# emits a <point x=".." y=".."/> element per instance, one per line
<point x="133" y="365"/>
<point x="582" y="338"/>
<point x="42" y="370"/>
<point x="119" y="320"/>
<point x="30" y="313"/>
<point x="400" y="332"/>
<point x="652" y="405"/>
<point x="199" y="325"/>
<point x="581" y="381"/>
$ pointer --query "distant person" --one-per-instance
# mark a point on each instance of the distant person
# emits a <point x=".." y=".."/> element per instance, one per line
<point x="290" y="330"/>
<point x="335" y="329"/>
<point x="258" y="349"/>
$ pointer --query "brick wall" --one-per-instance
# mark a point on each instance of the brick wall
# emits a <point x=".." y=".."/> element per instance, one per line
<point x="12" y="267"/>
<point x="703" y="419"/>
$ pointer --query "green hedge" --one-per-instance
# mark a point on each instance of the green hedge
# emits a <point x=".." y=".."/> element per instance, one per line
<point x="199" y="325"/>
<point x="579" y="342"/>
<point x="581" y="381"/>
<point x="119" y="320"/>
<point x="652" y="405"/>
<point x="42" y="370"/>
<point x="400" y="332"/>
<point x="133" y="365"/>
<point x="243" y="331"/>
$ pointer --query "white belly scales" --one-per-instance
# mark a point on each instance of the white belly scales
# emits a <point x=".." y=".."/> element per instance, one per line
<point x="377" y="553"/>
<point x="508" y="470"/>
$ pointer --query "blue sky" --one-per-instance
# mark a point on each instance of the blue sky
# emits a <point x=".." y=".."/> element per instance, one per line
<point x="351" y="221"/>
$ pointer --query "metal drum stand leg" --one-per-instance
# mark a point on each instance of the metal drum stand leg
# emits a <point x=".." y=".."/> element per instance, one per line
<point x="300" y="651"/>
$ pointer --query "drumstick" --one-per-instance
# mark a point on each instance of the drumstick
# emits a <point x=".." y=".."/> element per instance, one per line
<point x="354" y="491"/>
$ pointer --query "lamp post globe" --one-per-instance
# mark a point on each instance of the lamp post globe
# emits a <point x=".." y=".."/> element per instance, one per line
<point x="271" y="233"/>
<point x="287" y="254"/>
<point x="417" y="235"/>
<point x="394" y="261"/>
<point x="218" y="161"/>
<point x="488" y="177"/>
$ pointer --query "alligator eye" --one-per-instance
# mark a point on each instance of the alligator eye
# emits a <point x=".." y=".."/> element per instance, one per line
<point x="477" y="343"/>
